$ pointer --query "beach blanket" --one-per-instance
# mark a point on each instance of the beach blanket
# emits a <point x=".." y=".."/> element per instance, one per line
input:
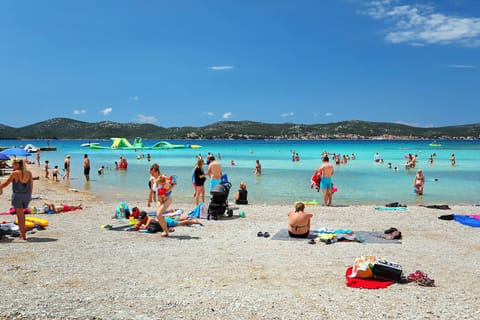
<point x="468" y="220"/>
<point x="364" y="236"/>
<point x="365" y="283"/>
<point x="391" y="208"/>
<point x="438" y="206"/>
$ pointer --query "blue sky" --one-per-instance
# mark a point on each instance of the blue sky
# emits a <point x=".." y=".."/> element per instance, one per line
<point x="196" y="62"/>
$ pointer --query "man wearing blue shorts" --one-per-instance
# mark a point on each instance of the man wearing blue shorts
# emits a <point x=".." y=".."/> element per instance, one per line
<point x="326" y="172"/>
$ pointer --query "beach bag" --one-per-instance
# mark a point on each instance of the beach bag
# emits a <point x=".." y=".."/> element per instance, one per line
<point x="135" y="213"/>
<point x="362" y="267"/>
<point x="386" y="270"/>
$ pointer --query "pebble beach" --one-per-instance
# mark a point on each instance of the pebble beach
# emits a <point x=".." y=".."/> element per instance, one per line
<point x="74" y="269"/>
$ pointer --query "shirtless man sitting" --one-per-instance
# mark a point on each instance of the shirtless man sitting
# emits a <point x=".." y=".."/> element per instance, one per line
<point x="326" y="172"/>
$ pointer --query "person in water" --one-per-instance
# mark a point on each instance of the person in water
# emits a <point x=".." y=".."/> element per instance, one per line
<point x="419" y="182"/>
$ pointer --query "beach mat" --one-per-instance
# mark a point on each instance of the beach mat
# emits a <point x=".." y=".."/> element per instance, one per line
<point x="367" y="236"/>
<point x="282" y="234"/>
<point x="391" y="208"/>
<point x="467" y="220"/>
<point x="375" y="237"/>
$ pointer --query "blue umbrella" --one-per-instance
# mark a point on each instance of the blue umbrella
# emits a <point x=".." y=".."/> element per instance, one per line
<point x="17" y="152"/>
<point x="4" y="157"/>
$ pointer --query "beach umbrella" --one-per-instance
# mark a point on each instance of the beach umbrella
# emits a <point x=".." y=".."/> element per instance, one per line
<point x="17" y="152"/>
<point x="4" y="157"/>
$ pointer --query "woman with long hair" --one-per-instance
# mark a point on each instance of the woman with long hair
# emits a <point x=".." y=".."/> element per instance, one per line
<point x="22" y="187"/>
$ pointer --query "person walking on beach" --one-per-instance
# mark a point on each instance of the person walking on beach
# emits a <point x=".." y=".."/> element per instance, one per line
<point x="66" y="166"/>
<point x="199" y="180"/>
<point x="326" y="172"/>
<point x="86" y="167"/>
<point x="214" y="172"/>
<point x="47" y="168"/>
<point x="22" y="187"/>
<point x="164" y="199"/>
<point x="38" y="158"/>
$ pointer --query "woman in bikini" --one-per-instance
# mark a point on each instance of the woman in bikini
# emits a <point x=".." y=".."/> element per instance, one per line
<point x="22" y="186"/>
<point x="299" y="222"/>
<point x="418" y="182"/>
<point x="163" y="190"/>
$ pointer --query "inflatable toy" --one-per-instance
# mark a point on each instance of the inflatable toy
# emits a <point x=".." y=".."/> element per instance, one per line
<point x="28" y="224"/>
<point x="37" y="221"/>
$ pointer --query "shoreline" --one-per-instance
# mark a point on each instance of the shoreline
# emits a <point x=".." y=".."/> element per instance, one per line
<point x="76" y="270"/>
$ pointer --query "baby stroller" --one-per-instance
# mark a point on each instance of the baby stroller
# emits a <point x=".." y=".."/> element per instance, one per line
<point x="219" y="201"/>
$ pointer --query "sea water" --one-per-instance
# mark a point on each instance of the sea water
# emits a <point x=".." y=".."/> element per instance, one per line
<point x="283" y="181"/>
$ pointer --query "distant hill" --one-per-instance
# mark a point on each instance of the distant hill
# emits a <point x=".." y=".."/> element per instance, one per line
<point x="64" y="128"/>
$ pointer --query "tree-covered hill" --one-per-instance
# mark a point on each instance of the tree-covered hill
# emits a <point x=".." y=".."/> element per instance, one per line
<point x="64" y="128"/>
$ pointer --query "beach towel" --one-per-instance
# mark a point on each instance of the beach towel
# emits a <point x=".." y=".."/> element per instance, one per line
<point x="363" y="236"/>
<point x="467" y="220"/>
<point x="365" y="283"/>
<point x="438" y="206"/>
<point x="390" y="208"/>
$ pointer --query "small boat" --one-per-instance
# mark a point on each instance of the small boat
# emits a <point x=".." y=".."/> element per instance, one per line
<point x="31" y="148"/>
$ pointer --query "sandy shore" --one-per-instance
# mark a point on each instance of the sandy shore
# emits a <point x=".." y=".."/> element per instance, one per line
<point x="76" y="270"/>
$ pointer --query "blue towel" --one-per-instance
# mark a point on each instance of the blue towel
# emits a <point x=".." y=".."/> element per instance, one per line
<point x="467" y="220"/>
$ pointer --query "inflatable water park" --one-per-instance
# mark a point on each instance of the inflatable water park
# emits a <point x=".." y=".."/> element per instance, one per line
<point x="124" y="144"/>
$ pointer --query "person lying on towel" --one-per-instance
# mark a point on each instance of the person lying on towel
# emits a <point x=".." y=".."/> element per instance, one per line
<point x="145" y="222"/>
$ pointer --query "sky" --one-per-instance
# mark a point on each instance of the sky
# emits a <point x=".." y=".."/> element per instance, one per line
<point x="197" y="62"/>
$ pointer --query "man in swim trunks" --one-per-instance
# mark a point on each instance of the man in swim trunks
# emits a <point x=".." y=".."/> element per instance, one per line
<point x="86" y="167"/>
<point x="214" y="172"/>
<point x="326" y="172"/>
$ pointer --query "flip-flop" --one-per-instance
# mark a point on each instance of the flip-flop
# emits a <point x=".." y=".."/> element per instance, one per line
<point x="260" y="234"/>
<point x="266" y="234"/>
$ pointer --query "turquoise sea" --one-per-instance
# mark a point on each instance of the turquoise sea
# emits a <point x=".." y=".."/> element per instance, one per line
<point x="360" y="181"/>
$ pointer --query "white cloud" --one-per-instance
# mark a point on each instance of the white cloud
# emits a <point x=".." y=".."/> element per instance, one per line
<point x="328" y="114"/>
<point x="462" y="66"/>
<point x="209" y="113"/>
<point x="134" y="98"/>
<point x="420" y="24"/>
<point x="78" y="112"/>
<point x="221" y="68"/>
<point x="227" y="115"/>
<point x="287" y="114"/>
<point x="107" y="111"/>
<point x="146" y="119"/>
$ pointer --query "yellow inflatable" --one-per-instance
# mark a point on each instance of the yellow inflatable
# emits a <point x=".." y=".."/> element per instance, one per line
<point x="31" y="222"/>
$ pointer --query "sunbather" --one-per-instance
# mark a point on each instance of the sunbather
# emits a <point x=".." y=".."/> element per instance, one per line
<point x="60" y="208"/>
<point x="299" y="222"/>
<point x="145" y="222"/>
